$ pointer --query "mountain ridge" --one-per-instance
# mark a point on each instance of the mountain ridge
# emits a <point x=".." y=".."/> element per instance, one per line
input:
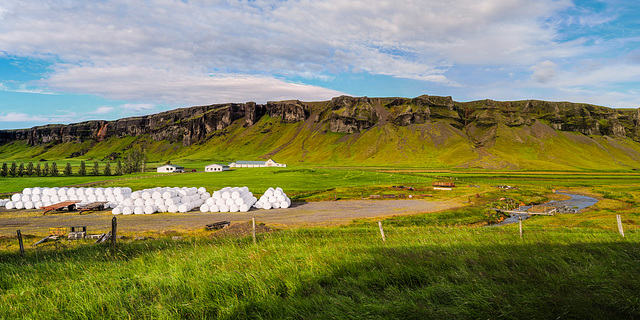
<point x="360" y="129"/>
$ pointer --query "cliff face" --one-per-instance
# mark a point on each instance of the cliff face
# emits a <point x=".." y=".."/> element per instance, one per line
<point x="346" y="115"/>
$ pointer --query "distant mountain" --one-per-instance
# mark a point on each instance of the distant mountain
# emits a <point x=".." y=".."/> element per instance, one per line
<point x="427" y="131"/>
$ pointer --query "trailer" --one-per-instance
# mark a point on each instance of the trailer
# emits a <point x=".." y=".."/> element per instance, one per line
<point x="70" y="205"/>
<point x="98" y="205"/>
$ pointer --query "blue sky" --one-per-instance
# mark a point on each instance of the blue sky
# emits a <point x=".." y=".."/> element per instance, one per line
<point x="76" y="60"/>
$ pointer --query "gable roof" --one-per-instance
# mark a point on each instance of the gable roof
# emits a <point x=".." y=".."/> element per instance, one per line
<point x="216" y="164"/>
<point x="171" y="165"/>
<point x="250" y="162"/>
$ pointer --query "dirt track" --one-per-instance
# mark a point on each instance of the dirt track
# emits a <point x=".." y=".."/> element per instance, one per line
<point x="324" y="213"/>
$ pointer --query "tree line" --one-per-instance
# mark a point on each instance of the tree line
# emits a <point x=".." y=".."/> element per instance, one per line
<point x="133" y="163"/>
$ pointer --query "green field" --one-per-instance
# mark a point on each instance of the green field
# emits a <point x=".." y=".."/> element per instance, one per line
<point x="431" y="266"/>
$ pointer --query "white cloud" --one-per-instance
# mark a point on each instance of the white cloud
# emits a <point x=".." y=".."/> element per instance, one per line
<point x="59" y="117"/>
<point x="544" y="71"/>
<point x="103" y="110"/>
<point x="138" y="107"/>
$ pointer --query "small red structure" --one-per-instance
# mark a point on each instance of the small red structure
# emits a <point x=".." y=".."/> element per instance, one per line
<point x="70" y="205"/>
<point x="444" y="184"/>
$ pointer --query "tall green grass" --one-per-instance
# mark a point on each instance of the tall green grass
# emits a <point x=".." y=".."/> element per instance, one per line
<point x="341" y="273"/>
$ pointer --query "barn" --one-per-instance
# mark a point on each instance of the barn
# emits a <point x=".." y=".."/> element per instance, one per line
<point x="256" y="164"/>
<point x="216" y="167"/>
<point x="169" y="168"/>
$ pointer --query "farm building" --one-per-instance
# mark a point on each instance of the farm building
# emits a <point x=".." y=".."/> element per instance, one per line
<point x="168" y="168"/>
<point x="216" y="167"/>
<point x="256" y="164"/>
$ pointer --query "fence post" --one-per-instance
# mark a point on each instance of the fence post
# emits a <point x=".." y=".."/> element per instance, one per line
<point x="620" y="225"/>
<point x="114" y="227"/>
<point x="253" y="220"/>
<point x="21" y="244"/>
<point x="382" y="231"/>
<point x="520" y="223"/>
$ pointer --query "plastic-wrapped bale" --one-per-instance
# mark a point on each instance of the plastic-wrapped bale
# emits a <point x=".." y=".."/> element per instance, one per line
<point x="10" y="205"/>
<point x="16" y="197"/>
<point x="214" y="208"/>
<point x="204" y="208"/>
<point x="116" y="211"/>
<point x="127" y="210"/>
<point x="150" y="209"/>
<point x="138" y="210"/>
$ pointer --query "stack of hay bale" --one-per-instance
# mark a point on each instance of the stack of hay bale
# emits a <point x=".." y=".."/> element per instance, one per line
<point x="35" y="198"/>
<point x="165" y="199"/>
<point x="273" y="199"/>
<point x="228" y="199"/>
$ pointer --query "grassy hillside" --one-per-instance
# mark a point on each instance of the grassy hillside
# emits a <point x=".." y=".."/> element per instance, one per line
<point x="430" y="145"/>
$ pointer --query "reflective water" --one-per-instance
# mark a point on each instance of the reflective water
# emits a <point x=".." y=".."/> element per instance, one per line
<point x="577" y="201"/>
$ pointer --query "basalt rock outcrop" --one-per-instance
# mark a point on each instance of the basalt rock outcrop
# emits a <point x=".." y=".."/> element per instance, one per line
<point x="345" y="115"/>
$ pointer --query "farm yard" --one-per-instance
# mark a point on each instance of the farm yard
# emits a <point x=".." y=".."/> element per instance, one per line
<point x="337" y="252"/>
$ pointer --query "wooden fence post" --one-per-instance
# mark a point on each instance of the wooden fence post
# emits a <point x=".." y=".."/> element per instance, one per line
<point x="21" y="244"/>
<point x="253" y="220"/>
<point x="381" y="231"/>
<point x="520" y="223"/>
<point x="620" y="225"/>
<point x="114" y="227"/>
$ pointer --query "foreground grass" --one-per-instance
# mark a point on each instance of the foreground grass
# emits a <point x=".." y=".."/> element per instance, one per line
<point x="342" y="273"/>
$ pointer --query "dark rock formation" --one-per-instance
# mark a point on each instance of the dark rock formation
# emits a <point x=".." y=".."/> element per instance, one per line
<point x="345" y="115"/>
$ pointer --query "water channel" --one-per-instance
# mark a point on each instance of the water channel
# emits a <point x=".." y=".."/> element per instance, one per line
<point x="577" y="202"/>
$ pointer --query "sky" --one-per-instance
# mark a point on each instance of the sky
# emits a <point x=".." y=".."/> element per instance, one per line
<point x="67" y="61"/>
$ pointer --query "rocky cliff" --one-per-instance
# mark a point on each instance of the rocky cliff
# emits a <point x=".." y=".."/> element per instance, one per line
<point x="347" y="115"/>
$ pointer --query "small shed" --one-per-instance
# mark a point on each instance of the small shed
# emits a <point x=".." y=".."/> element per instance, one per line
<point x="216" y="167"/>
<point x="169" y="168"/>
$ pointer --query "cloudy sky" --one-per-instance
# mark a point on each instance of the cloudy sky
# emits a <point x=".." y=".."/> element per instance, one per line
<point x="75" y="60"/>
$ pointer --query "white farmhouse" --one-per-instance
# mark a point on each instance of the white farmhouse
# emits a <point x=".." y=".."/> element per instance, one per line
<point x="216" y="167"/>
<point x="256" y="164"/>
<point x="169" y="168"/>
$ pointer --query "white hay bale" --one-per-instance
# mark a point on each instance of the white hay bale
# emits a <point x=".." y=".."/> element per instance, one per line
<point x="150" y="209"/>
<point x="101" y="197"/>
<point x="273" y="199"/>
<point x="36" y="190"/>
<point x="111" y="198"/>
<point x="230" y="201"/>
<point x="210" y="201"/>
<point x="243" y="208"/>
<point x="117" y="191"/>
<point x="45" y="198"/>
<point x="26" y="191"/>
<point x="244" y="189"/>
<point x="10" y="205"/>
<point x="136" y="195"/>
<point x="163" y="208"/>
<point x="98" y="191"/>
<point x="224" y="208"/>
<point x="235" y="195"/>
<point x="202" y="190"/>
<point x="139" y="202"/>
<point x="214" y="208"/>
<point x="64" y="198"/>
<point x="233" y="208"/>
<point x="28" y="205"/>
<point x="19" y="205"/>
<point x="266" y="205"/>
<point x="184" y="208"/>
<point x="277" y="193"/>
<point x="156" y="195"/>
<point x="226" y="195"/>
<point x="149" y="202"/>
<point x="91" y="198"/>
<point x="216" y="195"/>
<point x="138" y="210"/>
<point x="275" y="205"/>
<point x="119" y="198"/>
<point x="204" y="208"/>
<point x="62" y="192"/>
<point x="220" y="202"/>
<point x="198" y="203"/>
<point x="127" y="210"/>
<point x="258" y="205"/>
<point x="16" y="197"/>
<point x="36" y="197"/>
<point x="239" y="201"/>
<point x="108" y="191"/>
<point x="284" y="205"/>
<point x="38" y="204"/>
<point x="89" y="191"/>
<point x="128" y="202"/>
<point x="269" y="192"/>
<point x="168" y="195"/>
<point x="145" y="195"/>
<point x="55" y="199"/>
<point x="25" y="197"/>
<point x="205" y="196"/>
<point x="173" y="208"/>
<point x="80" y="191"/>
<point x="116" y="211"/>
<point x="158" y="202"/>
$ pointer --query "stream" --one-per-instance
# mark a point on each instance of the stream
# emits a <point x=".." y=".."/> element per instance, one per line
<point x="577" y="202"/>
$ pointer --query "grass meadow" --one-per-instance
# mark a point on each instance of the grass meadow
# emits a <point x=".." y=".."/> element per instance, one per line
<point x="431" y="266"/>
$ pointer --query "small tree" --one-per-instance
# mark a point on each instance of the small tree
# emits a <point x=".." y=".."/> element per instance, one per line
<point x="54" y="169"/>
<point x="107" y="169"/>
<point x="45" y="171"/>
<point x="38" y="171"/>
<point x="5" y="170"/>
<point x="21" y="169"/>
<point x="82" y="171"/>
<point x="96" y="168"/>
<point x="29" y="169"/>
<point x="14" y="169"/>
<point x="119" y="168"/>
<point x="67" y="170"/>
